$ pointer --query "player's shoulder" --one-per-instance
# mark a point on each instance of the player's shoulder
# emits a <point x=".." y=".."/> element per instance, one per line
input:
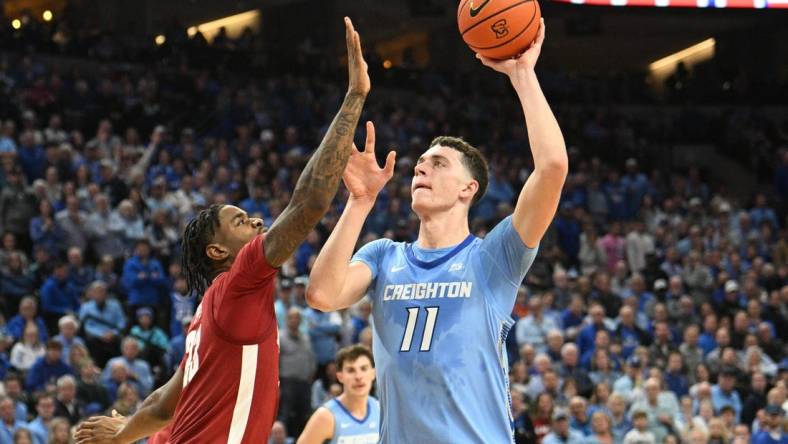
<point x="326" y="411"/>
<point x="383" y="243"/>
<point x="381" y="247"/>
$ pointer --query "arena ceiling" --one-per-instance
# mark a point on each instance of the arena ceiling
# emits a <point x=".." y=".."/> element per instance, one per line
<point x="580" y="37"/>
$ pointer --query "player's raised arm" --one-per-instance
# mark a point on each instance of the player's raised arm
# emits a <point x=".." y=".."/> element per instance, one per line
<point x="319" y="181"/>
<point x="539" y="198"/>
<point x="335" y="283"/>
<point x="154" y="414"/>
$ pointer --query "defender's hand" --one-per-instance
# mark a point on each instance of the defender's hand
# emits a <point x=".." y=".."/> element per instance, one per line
<point x="100" y="429"/>
<point x="357" y="67"/>
<point x="363" y="177"/>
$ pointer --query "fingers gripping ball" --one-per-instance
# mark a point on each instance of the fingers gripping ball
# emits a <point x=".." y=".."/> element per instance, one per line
<point x="498" y="29"/>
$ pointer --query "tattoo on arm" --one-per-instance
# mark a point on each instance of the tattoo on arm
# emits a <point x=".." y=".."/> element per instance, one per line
<point x="317" y="186"/>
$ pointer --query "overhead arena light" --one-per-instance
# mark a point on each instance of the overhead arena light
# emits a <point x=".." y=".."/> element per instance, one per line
<point x="699" y="52"/>
<point x="234" y="24"/>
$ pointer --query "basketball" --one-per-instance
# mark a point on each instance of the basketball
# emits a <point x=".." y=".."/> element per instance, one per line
<point x="498" y="29"/>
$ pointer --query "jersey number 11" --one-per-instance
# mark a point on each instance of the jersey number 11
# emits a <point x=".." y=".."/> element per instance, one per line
<point x="429" y="329"/>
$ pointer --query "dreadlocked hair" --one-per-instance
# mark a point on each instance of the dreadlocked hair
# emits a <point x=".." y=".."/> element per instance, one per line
<point x="196" y="237"/>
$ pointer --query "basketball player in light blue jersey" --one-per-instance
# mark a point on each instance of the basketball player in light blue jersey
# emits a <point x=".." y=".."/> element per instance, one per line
<point x="353" y="417"/>
<point x="442" y="305"/>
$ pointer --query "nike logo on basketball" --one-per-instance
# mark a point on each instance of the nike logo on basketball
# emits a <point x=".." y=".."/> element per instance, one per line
<point x="476" y="11"/>
<point x="396" y="269"/>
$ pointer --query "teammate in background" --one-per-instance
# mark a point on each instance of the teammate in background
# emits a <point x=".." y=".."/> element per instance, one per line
<point x="226" y="388"/>
<point x="442" y="305"/>
<point x="353" y="416"/>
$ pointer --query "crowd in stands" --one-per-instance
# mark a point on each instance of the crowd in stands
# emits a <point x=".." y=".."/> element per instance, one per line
<point x="655" y="311"/>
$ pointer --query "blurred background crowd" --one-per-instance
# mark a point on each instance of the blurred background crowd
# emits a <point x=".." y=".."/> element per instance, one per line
<point x="656" y="309"/>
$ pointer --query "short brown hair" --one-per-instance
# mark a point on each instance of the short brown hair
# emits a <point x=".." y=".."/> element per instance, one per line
<point x="472" y="158"/>
<point x="351" y="353"/>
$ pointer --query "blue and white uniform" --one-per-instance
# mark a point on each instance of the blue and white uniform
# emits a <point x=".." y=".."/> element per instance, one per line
<point x="440" y="321"/>
<point x="350" y="430"/>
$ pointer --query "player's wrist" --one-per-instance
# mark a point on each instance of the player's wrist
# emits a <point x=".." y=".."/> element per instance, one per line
<point x="365" y="203"/>
<point x="357" y="91"/>
<point x="524" y="80"/>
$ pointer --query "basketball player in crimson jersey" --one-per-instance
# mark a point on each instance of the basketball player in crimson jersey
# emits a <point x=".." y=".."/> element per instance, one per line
<point x="226" y="388"/>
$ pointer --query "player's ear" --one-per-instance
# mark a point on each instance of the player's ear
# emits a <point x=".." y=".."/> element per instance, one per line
<point x="469" y="190"/>
<point x="217" y="252"/>
<point x="340" y="377"/>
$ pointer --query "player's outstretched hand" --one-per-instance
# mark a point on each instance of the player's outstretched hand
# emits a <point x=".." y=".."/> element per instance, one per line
<point x="522" y="63"/>
<point x="100" y="429"/>
<point x="363" y="177"/>
<point x="359" y="82"/>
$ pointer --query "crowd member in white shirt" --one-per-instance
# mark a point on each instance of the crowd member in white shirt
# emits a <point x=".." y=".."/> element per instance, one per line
<point x="25" y="353"/>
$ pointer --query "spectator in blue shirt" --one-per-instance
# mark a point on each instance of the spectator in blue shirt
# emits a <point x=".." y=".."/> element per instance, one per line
<point x="257" y="203"/>
<point x="28" y="308"/>
<point x="104" y="321"/>
<point x="533" y="328"/>
<point x="143" y="277"/>
<point x="585" y="339"/>
<point x="183" y="305"/>
<point x="306" y="251"/>
<point x="773" y="431"/>
<point x="572" y="316"/>
<point x="5" y="363"/>
<point x="707" y="341"/>
<point x="31" y="157"/>
<point x="723" y="393"/>
<point x="762" y="214"/>
<point x="616" y="193"/>
<point x="636" y="186"/>
<point x="15" y="282"/>
<point x="68" y="327"/>
<point x="177" y="346"/>
<point x="139" y="370"/>
<point x="79" y="274"/>
<point x="39" y="427"/>
<point x="7" y="143"/>
<point x="59" y="297"/>
<point x="14" y="389"/>
<point x="620" y="424"/>
<point x="8" y="420"/>
<point x="361" y="319"/>
<point x="568" y="231"/>
<point x="44" y="229"/>
<point x="48" y="368"/>
<point x="601" y="342"/>
<point x="562" y="433"/>
<point x="324" y="329"/>
<point x="675" y="376"/>
<point x="579" y="419"/>
<point x="628" y="333"/>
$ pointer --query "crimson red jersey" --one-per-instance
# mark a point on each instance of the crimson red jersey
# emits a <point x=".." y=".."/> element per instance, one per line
<point x="161" y="436"/>
<point x="231" y="363"/>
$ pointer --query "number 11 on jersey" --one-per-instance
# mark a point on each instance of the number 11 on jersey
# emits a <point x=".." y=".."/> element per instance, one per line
<point x="429" y="328"/>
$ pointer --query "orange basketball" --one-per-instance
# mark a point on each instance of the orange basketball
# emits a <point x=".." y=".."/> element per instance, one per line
<point x="498" y="29"/>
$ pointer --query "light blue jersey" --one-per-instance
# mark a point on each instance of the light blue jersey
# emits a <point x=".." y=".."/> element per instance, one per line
<point x="440" y="320"/>
<point x="348" y="429"/>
